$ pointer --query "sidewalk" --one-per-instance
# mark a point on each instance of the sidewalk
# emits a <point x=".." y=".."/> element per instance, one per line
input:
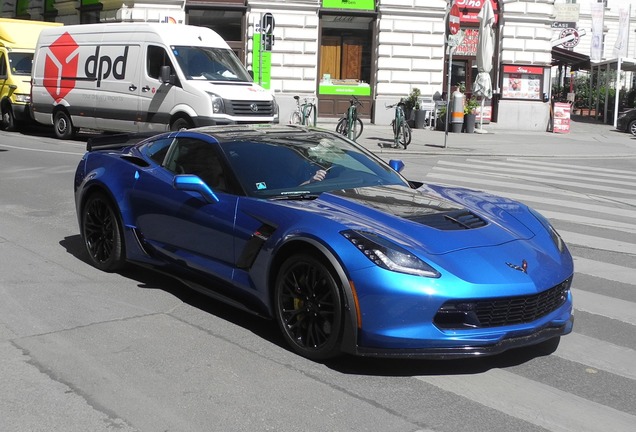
<point x="586" y="138"/>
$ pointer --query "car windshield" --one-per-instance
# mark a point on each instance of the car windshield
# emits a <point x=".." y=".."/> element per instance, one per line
<point x="283" y="164"/>
<point x="210" y="64"/>
<point x="21" y="63"/>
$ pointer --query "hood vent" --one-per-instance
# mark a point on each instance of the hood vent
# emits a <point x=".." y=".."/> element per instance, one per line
<point x="450" y="221"/>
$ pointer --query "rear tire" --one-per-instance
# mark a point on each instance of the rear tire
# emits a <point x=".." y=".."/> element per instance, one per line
<point x="294" y="118"/>
<point x="181" y="123"/>
<point x="341" y="127"/>
<point x="63" y="125"/>
<point x="405" y="135"/>
<point x="632" y="127"/>
<point x="102" y="233"/>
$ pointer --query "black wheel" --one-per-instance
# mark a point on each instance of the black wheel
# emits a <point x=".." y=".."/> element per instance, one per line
<point x="357" y="128"/>
<point x="180" y="123"/>
<point x="8" y="119"/>
<point x="405" y="135"/>
<point x="632" y="127"/>
<point x="341" y="127"/>
<point x="295" y="118"/>
<point x="102" y="233"/>
<point x="63" y="125"/>
<point x="308" y="307"/>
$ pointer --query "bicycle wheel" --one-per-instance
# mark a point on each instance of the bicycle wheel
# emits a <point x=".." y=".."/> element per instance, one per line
<point x="357" y="128"/>
<point x="341" y="127"/>
<point x="308" y="114"/>
<point x="294" y="118"/>
<point x="405" y="135"/>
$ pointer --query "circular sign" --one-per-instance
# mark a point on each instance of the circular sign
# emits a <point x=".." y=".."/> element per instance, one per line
<point x="453" y="20"/>
<point x="573" y="40"/>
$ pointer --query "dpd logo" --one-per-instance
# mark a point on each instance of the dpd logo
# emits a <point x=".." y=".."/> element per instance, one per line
<point x="60" y="67"/>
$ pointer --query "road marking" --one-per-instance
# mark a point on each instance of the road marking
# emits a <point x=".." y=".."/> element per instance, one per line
<point x="609" y="307"/>
<point x="534" y="402"/>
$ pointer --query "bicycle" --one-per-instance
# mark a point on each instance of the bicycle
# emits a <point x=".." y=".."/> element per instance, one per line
<point x="350" y="125"/>
<point x="401" y="129"/>
<point x="305" y="113"/>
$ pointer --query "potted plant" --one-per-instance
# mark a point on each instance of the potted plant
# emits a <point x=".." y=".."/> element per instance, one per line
<point x="469" y="114"/>
<point x="411" y="103"/>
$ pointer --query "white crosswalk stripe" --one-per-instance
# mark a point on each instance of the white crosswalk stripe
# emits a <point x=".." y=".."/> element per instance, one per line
<point x="594" y="209"/>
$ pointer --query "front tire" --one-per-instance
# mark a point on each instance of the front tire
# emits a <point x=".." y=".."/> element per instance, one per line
<point x="405" y="135"/>
<point x="308" y="307"/>
<point x="8" y="119"/>
<point x="632" y="127"/>
<point x="63" y="125"/>
<point x="180" y="123"/>
<point x="102" y="233"/>
<point x="295" y="118"/>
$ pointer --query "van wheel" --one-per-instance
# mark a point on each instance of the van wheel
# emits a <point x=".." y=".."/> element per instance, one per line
<point x="180" y="123"/>
<point x="8" y="120"/>
<point x="63" y="125"/>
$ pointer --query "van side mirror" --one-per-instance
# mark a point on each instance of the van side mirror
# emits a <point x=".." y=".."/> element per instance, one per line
<point x="164" y="74"/>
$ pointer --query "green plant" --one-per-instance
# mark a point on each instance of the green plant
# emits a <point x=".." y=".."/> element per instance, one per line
<point x="412" y="100"/>
<point x="470" y="105"/>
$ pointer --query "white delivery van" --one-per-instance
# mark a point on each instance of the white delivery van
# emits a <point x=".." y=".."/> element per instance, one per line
<point x="142" y="77"/>
<point x="17" y="45"/>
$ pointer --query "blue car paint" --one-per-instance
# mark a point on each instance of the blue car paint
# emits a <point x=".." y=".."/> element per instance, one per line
<point x="396" y="309"/>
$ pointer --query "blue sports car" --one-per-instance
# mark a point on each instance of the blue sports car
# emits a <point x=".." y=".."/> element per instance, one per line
<point x="304" y="226"/>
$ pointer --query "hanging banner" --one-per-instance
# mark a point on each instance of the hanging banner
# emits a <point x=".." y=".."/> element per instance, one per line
<point x="598" y="15"/>
<point x="620" y="47"/>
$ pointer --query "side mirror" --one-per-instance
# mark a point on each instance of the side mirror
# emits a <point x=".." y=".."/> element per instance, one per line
<point x="396" y="164"/>
<point x="164" y="75"/>
<point x="192" y="183"/>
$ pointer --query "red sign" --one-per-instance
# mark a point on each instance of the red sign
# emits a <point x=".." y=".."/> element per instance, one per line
<point x="470" y="9"/>
<point x="60" y="65"/>
<point x="523" y="69"/>
<point x="453" y="20"/>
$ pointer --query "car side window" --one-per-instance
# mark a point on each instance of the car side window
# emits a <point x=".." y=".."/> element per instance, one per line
<point x="193" y="156"/>
<point x="156" y="57"/>
<point x="157" y="150"/>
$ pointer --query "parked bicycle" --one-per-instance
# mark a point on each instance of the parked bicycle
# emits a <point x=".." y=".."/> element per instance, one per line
<point x="305" y="113"/>
<point x="350" y="125"/>
<point x="401" y="129"/>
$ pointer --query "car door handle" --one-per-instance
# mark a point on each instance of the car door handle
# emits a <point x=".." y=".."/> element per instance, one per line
<point x="132" y="87"/>
<point x="145" y="88"/>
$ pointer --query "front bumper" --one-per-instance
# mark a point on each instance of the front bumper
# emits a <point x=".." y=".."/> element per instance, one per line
<point x="456" y="352"/>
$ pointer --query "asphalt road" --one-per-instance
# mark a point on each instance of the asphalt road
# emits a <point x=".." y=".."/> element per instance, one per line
<point x="83" y="350"/>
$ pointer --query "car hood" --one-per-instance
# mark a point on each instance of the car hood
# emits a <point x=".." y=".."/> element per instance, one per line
<point x="434" y="221"/>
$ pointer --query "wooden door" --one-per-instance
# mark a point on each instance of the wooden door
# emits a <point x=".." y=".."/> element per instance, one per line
<point x="330" y="51"/>
<point x="352" y="58"/>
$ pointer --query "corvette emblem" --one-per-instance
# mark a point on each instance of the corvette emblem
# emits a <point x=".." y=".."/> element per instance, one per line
<point x="522" y="268"/>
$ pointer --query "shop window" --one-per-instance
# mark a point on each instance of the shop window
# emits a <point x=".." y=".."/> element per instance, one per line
<point x="345" y="48"/>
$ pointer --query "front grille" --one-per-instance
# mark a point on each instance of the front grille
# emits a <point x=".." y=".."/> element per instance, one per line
<point x="451" y="220"/>
<point x="245" y="108"/>
<point x="501" y="311"/>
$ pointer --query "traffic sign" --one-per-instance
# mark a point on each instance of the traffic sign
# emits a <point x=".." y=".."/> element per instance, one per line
<point x="453" y="20"/>
<point x="267" y="23"/>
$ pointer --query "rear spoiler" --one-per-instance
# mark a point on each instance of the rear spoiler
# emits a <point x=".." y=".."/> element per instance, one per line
<point x="116" y="141"/>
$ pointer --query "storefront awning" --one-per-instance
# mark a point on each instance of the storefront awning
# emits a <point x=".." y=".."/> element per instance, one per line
<point x="564" y="57"/>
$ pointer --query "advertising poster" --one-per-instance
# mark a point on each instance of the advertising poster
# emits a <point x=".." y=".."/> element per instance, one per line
<point x="522" y="82"/>
<point x="561" y="117"/>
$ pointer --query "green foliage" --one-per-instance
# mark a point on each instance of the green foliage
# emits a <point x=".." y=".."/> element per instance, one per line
<point x="470" y="105"/>
<point x="411" y="101"/>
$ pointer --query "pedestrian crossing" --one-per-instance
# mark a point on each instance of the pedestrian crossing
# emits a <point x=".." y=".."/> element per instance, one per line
<point x="594" y="210"/>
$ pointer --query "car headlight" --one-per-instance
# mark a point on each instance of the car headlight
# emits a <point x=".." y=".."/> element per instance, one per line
<point x="388" y="255"/>
<point x="554" y="235"/>
<point x="22" y="98"/>
<point x="218" y="107"/>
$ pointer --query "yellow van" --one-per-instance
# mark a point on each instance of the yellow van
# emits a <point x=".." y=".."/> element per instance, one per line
<point x="17" y="45"/>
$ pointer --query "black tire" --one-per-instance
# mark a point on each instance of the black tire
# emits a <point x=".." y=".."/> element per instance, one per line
<point x="63" y="126"/>
<point x="180" y="123"/>
<point x="308" y="307"/>
<point x="295" y="118"/>
<point x="405" y="135"/>
<point x="358" y="126"/>
<point x="341" y="127"/>
<point x="7" y="122"/>
<point x="102" y="233"/>
<point x="632" y="127"/>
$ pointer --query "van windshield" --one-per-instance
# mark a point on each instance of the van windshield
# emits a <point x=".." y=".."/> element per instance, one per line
<point x="21" y="63"/>
<point x="210" y="64"/>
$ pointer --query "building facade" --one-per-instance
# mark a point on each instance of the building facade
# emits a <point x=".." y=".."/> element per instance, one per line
<point x="377" y="50"/>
